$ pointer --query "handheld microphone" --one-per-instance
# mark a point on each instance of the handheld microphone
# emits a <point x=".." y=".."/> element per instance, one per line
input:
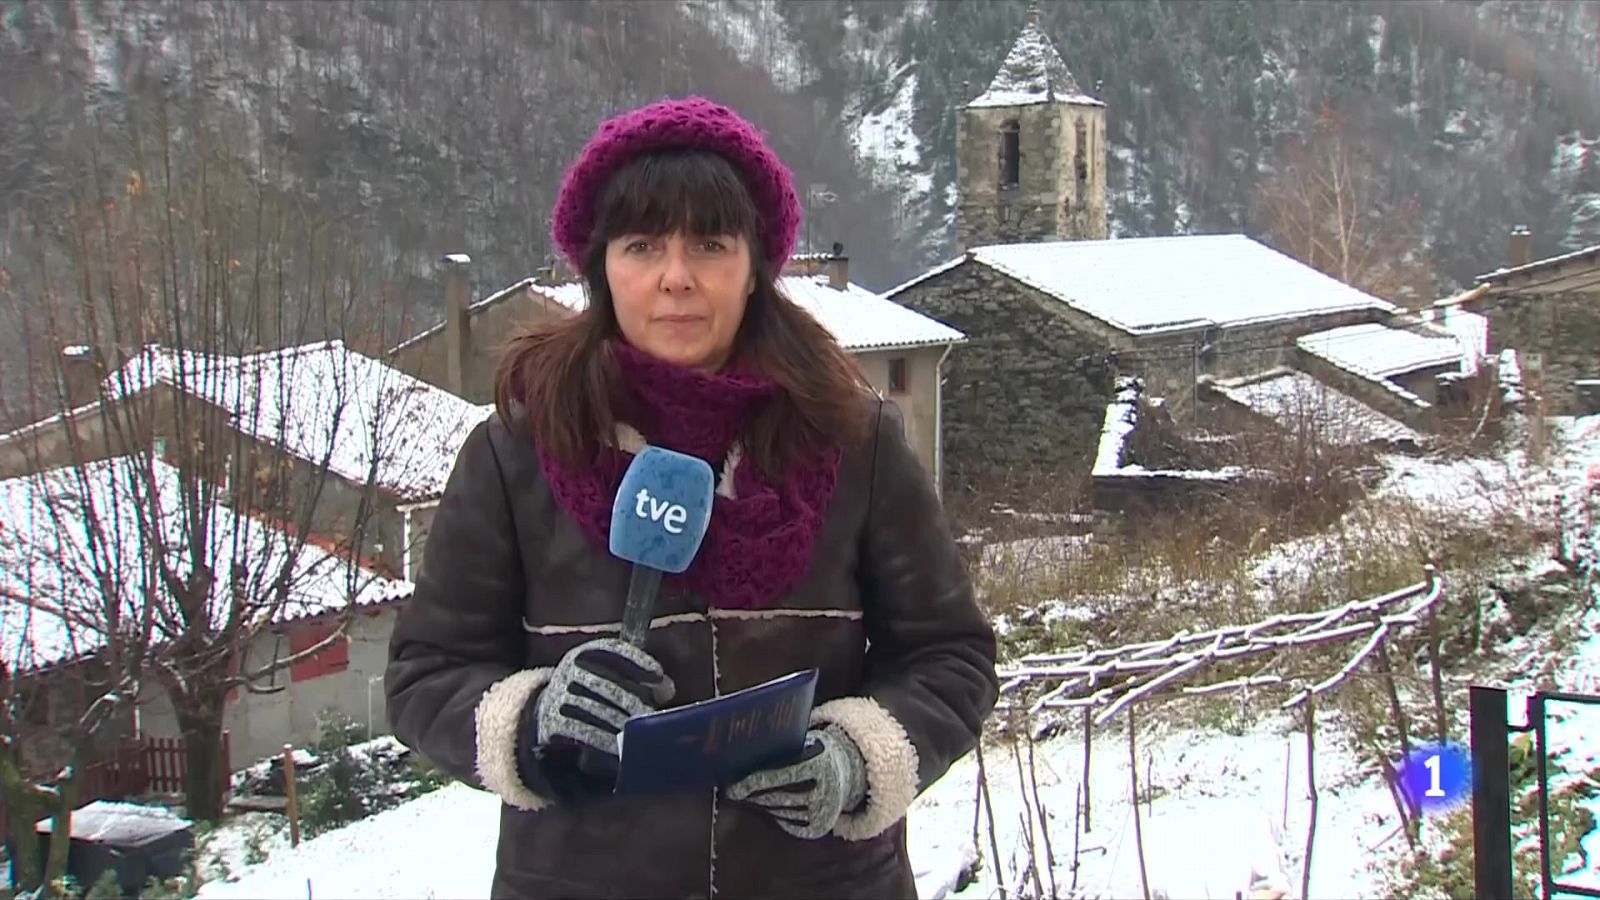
<point x="658" y="520"/>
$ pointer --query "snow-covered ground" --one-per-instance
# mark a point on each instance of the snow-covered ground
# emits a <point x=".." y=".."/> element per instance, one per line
<point x="1217" y="817"/>
<point x="1229" y="811"/>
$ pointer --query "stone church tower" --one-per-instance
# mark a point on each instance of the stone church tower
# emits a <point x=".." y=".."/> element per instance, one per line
<point x="1030" y="152"/>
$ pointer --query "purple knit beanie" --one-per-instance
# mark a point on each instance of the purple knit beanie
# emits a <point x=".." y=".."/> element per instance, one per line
<point x="694" y="122"/>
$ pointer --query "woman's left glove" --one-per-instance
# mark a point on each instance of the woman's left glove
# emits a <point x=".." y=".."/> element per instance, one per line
<point x="806" y="798"/>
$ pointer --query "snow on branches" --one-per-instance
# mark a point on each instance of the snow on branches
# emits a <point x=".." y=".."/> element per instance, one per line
<point x="1237" y="657"/>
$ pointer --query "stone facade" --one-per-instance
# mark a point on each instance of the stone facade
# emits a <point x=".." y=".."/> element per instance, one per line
<point x="1027" y="392"/>
<point x="1563" y="329"/>
<point x="1548" y="311"/>
<point x="1171" y="363"/>
<point x="1029" y="389"/>
<point x="1060" y="189"/>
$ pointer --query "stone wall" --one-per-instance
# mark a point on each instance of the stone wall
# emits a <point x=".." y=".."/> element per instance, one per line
<point x="1027" y="392"/>
<point x="1050" y="200"/>
<point x="1563" y="328"/>
<point x="1384" y="396"/>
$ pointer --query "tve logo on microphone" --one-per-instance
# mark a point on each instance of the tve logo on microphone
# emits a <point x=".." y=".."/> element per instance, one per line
<point x="669" y="514"/>
<point x="662" y="509"/>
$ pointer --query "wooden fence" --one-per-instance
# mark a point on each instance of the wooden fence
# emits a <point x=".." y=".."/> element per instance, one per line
<point x="150" y="765"/>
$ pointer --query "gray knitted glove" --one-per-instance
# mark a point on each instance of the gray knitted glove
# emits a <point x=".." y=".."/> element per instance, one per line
<point x="806" y="798"/>
<point x="595" y="688"/>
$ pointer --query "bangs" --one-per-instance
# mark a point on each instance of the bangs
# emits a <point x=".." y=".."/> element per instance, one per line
<point x="693" y="192"/>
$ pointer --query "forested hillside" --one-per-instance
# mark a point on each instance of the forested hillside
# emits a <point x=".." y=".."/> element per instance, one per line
<point x="423" y="127"/>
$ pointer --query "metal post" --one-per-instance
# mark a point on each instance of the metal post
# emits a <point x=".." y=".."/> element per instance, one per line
<point x="1536" y="719"/>
<point x="1491" y="793"/>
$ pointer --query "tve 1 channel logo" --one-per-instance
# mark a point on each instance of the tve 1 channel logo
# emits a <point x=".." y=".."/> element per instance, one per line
<point x="1436" y="778"/>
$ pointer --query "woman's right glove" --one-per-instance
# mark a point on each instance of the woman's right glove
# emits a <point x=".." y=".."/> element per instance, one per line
<point x="576" y="717"/>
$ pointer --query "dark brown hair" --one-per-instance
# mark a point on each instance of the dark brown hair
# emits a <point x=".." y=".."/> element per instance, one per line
<point x="562" y="373"/>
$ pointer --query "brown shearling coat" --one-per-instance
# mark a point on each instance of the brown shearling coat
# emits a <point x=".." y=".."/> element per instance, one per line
<point x="508" y="584"/>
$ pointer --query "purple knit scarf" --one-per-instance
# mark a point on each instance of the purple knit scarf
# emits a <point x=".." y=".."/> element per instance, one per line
<point x="759" y="543"/>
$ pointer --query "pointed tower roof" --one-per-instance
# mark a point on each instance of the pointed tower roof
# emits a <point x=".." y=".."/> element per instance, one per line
<point x="1032" y="73"/>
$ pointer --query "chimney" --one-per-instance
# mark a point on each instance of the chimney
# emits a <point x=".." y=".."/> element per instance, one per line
<point x="81" y="373"/>
<point x="457" y="322"/>
<point x="1521" y="250"/>
<point x="838" y="266"/>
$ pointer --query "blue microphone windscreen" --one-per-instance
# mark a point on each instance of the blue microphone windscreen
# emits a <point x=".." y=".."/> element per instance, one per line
<point x="662" y="509"/>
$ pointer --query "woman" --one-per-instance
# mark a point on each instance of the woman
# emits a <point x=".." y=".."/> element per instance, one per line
<point x="827" y="548"/>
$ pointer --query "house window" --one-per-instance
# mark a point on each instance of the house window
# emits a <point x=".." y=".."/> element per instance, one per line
<point x="1010" y="154"/>
<point x="333" y="658"/>
<point x="897" y="375"/>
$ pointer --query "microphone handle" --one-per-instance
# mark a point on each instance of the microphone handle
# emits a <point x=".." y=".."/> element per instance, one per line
<point x="643" y="585"/>
<point x="636" y="614"/>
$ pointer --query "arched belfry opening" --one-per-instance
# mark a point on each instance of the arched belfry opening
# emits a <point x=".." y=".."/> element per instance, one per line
<point x="1010" y="153"/>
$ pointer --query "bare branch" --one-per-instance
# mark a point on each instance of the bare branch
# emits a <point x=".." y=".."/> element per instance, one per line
<point x="1116" y="678"/>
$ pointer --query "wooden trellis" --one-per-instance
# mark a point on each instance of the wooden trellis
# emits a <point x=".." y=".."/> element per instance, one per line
<point x="1211" y="662"/>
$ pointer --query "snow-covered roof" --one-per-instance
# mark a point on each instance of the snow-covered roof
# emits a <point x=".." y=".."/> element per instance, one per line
<point x="857" y="318"/>
<point x="1032" y="73"/>
<point x="325" y="402"/>
<point x="862" y="320"/>
<point x="52" y="603"/>
<point x="1296" y="400"/>
<point x="1146" y="285"/>
<point x="1587" y="254"/>
<point x="570" y="294"/>
<point x="1378" y="351"/>
<point x="934" y="272"/>
<point x="498" y="296"/>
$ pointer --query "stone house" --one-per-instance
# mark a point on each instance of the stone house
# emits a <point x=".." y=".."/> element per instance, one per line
<point x="1548" y="312"/>
<point x="1050" y="326"/>
<point x="902" y="352"/>
<point x="266" y="432"/>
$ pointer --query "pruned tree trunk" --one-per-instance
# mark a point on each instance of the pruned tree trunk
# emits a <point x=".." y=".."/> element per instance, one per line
<point x="23" y="809"/>
<point x="200" y="720"/>
<point x="26" y="803"/>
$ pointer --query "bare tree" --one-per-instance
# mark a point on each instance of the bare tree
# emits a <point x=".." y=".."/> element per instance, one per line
<point x="70" y="660"/>
<point x="208" y="377"/>
<point x="1324" y="205"/>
